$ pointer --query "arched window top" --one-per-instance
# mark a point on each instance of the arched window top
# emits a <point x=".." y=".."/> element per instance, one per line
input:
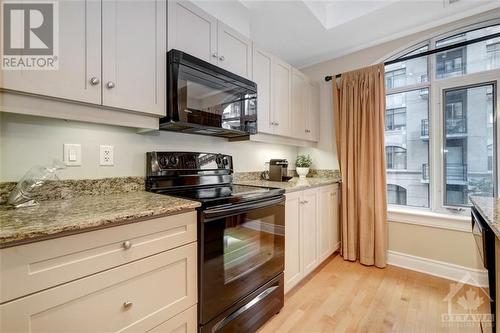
<point x="396" y="194"/>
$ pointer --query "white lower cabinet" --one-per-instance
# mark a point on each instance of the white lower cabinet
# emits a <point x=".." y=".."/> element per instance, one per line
<point x="311" y="231"/>
<point x="156" y="292"/>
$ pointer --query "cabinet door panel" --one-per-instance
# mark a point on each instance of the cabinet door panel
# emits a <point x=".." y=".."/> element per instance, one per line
<point x="191" y="30"/>
<point x="79" y="57"/>
<point x="282" y="74"/>
<point x="299" y="105"/>
<point x="235" y="51"/>
<point x="293" y="247"/>
<point x="336" y="219"/>
<point x="134" y="55"/>
<point x="263" y="76"/>
<point x="326" y="222"/>
<point x="309" y="229"/>
<point x="312" y="107"/>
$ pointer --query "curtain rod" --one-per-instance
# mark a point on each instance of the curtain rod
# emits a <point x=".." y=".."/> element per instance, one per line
<point x="430" y="52"/>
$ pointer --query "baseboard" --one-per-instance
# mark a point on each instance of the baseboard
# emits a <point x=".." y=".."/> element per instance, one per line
<point x="476" y="277"/>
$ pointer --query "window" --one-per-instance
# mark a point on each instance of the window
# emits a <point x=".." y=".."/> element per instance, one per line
<point x="455" y="124"/>
<point x="408" y="149"/>
<point x="396" y="195"/>
<point x="395" y="119"/>
<point x="472" y="58"/>
<point x="493" y="54"/>
<point x="395" y="157"/>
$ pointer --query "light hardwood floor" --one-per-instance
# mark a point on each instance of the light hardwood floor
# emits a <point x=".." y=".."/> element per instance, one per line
<point x="341" y="296"/>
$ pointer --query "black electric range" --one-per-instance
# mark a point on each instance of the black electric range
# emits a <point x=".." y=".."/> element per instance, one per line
<point x="241" y="238"/>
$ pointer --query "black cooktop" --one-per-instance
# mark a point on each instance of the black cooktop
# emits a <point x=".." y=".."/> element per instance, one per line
<point x="225" y="194"/>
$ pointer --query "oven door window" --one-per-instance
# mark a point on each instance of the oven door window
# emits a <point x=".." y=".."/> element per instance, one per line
<point x="240" y="253"/>
<point x="214" y="101"/>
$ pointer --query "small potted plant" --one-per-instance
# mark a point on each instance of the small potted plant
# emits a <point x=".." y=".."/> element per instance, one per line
<point x="302" y="165"/>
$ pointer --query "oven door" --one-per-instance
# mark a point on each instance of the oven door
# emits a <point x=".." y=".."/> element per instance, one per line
<point x="242" y="247"/>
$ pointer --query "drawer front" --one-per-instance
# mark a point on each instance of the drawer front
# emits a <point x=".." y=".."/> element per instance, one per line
<point x="134" y="297"/>
<point x="29" y="268"/>
<point x="184" y="322"/>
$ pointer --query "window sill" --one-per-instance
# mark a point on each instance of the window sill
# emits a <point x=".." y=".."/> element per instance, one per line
<point x="429" y="219"/>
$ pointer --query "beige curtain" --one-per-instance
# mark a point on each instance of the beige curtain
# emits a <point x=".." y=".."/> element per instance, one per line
<point x="359" y="110"/>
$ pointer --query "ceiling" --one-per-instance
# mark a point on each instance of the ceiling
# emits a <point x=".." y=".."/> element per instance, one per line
<point x="305" y="32"/>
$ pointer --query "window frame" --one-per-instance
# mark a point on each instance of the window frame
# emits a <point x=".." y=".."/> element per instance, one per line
<point x="436" y="121"/>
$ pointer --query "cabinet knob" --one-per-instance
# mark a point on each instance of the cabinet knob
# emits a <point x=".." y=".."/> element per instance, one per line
<point x="221" y="58"/>
<point x="94" y="81"/>
<point x="110" y="85"/>
<point x="276" y="123"/>
<point x="214" y="55"/>
<point x="127" y="245"/>
<point x="127" y="305"/>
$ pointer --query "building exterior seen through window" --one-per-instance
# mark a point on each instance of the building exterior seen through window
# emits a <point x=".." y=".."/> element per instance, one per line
<point x="466" y="129"/>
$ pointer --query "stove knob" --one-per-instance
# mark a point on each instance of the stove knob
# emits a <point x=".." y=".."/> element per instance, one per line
<point x="163" y="162"/>
<point x="173" y="160"/>
<point x="225" y="161"/>
<point x="218" y="160"/>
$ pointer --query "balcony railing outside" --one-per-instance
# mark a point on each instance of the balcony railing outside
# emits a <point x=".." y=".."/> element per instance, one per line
<point x="424" y="127"/>
<point x="453" y="126"/>
<point x="454" y="172"/>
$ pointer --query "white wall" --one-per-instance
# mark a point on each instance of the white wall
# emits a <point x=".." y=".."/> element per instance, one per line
<point x="27" y="140"/>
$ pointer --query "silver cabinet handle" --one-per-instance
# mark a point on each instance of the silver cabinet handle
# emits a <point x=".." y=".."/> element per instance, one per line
<point x="221" y="58"/>
<point x="214" y="55"/>
<point x="276" y="123"/>
<point x="110" y="85"/>
<point x="127" y="305"/>
<point x="94" y="81"/>
<point x="127" y="245"/>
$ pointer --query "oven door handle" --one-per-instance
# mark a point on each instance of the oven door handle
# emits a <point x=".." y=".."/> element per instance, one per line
<point x="223" y="322"/>
<point x="210" y="214"/>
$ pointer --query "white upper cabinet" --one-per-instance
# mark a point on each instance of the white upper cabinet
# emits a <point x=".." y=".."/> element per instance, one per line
<point x="282" y="74"/>
<point x="312" y="112"/>
<point x="263" y="76"/>
<point x="234" y="51"/>
<point x="192" y="30"/>
<point x="134" y="55"/>
<point x="300" y="92"/>
<point x="79" y="58"/>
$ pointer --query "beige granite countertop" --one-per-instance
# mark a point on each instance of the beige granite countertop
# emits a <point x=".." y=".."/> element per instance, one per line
<point x="54" y="218"/>
<point x="489" y="208"/>
<point x="295" y="184"/>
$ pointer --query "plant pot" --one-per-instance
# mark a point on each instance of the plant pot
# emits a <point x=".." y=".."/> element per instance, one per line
<point x="302" y="172"/>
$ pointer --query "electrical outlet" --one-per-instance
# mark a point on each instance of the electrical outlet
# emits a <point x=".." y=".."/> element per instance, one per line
<point x="72" y="154"/>
<point x="106" y="155"/>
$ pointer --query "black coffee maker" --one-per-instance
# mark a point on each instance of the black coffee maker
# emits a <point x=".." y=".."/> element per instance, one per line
<point x="278" y="170"/>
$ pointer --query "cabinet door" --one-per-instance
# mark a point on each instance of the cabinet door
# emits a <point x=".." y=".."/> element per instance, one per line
<point x="282" y="75"/>
<point x="336" y="219"/>
<point x="79" y="58"/>
<point x="263" y="75"/>
<point x="184" y="322"/>
<point x="309" y="229"/>
<point x="192" y="30"/>
<point x="299" y="107"/>
<point x="312" y="111"/>
<point x="235" y="51"/>
<point x="326" y="222"/>
<point x="293" y="243"/>
<point x="134" y="55"/>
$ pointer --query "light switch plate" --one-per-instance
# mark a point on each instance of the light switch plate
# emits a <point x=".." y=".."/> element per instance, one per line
<point x="72" y="154"/>
<point x="106" y="155"/>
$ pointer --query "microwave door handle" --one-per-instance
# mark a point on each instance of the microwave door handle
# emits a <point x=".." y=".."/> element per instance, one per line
<point x="238" y="209"/>
<point x="223" y="322"/>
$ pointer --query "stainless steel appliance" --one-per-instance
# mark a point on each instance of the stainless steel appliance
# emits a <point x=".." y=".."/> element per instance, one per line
<point x="205" y="99"/>
<point x="278" y="170"/>
<point x="485" y="241"/>
<point x="241" y="239"/>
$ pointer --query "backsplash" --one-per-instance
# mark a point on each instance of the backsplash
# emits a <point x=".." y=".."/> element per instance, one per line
<point x="66" y="189"/>
<point x="71" y="188"/>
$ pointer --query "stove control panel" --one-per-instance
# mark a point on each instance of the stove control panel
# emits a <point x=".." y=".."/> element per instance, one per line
<point x="160" y="163"/>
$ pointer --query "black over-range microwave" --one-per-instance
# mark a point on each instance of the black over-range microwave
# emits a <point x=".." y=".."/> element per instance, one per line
<point x="205" y="99"/>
